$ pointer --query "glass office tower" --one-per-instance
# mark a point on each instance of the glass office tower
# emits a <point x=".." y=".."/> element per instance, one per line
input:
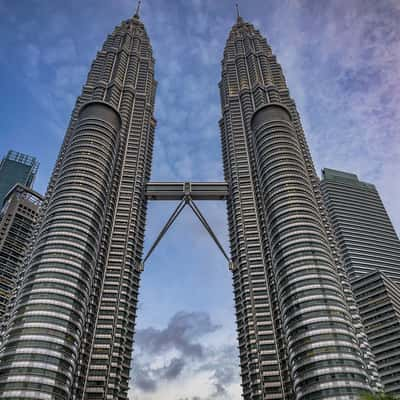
<point x="16" y="168"/>
<point x="378" y="298"/>
<point x="17" y="221"/>
<point x="371" y="254"/>
<point x="363" y="229"/>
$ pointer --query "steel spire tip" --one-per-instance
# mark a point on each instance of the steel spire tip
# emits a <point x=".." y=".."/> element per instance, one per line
<point x="137" y="13"/>
<point x="239" y="17"/>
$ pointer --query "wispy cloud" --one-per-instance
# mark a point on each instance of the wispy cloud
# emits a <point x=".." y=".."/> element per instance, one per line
<point x="165" y="359"/>
<point x="181" y="331"/>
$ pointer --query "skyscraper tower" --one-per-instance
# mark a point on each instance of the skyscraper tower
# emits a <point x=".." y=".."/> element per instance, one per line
<point x="70" y="333"/>
<point x="300" y="335"/>
<point x="17" y="220"/>
<point x="378" y="299"/>
<point x="364" y="232"/>
<point x="16" y="168"/>
<point x="371" y="253"/>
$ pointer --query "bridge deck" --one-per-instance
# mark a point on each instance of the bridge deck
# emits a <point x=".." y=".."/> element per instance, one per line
<point x="178" y="190"/>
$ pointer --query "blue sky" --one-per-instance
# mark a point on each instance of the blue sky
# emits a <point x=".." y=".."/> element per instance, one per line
<point x="342" y="63"/>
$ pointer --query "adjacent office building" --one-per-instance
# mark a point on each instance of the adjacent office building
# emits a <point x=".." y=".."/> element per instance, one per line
<point x="371" y="253"/>
<point x="378" y="299"/>
<point x="70" y="333"/>
<point x="16" y="168"/>
<point x="17" y="221"/>
<point x="364" y="232"/>
<point x="18" y="209"/>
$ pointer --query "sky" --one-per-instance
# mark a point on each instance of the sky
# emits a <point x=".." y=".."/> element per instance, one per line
<point x="341" y="59"/>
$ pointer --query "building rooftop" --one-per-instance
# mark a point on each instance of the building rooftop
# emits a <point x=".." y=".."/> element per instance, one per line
<point x="344" y="177"/>
<point x="23" y="159"/>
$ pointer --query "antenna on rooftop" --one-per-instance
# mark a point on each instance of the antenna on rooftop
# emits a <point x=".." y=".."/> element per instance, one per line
<point x="239" y="17"/>
<point x="137" y="13"/>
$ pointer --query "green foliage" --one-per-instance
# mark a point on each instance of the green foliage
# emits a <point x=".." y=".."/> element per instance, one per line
<point x="377" y="396"/>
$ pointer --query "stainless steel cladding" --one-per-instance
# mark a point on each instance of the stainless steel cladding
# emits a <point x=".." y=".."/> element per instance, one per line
<point x="70" y="333"/>
<point x="311" y="299"/>
<point x="300" y="335"/>
<point x="48" y="321"/>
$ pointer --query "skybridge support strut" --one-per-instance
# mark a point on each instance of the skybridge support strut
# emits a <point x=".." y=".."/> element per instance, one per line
<point x="186" y="192"/>
<point x="204" y="222"/>
<point x="164" y="230"/>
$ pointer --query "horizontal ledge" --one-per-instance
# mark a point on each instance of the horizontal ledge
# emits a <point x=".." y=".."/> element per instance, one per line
<point x="178" y="190"/>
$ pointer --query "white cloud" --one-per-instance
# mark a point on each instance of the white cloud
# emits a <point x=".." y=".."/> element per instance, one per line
<point x="172" y="364"/>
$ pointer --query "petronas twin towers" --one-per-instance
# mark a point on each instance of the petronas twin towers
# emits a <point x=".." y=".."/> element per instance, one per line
<point x="70" y="331"/>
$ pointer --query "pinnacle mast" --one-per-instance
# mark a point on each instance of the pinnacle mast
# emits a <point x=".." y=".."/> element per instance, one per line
<point x="137" y="12"/>
<point x="239" y="17"/>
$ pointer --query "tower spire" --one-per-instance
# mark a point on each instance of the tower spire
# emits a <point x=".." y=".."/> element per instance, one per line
<point x="137" y="13"/>
<point x="239" y="17"/>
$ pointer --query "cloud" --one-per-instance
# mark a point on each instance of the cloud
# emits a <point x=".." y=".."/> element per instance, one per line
<point x="182" y="329"/>
<point x="224" y="371"/>
<point x="173" y="369"/>
<point x="147" y="378"/>
<point x="143" y="379"/>
<point x="165" y="357"/>
<point x="192" y="398"/>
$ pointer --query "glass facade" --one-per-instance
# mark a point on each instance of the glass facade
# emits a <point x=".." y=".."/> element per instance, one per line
<point x="370" y="250"/>
<point x="17" y="220"/>
<point x="379" y="303"/>
<point x="362" y="227"/>
<point x="16" y="168"/>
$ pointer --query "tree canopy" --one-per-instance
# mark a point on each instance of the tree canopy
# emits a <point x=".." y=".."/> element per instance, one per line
<point x="378" y="396"/>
